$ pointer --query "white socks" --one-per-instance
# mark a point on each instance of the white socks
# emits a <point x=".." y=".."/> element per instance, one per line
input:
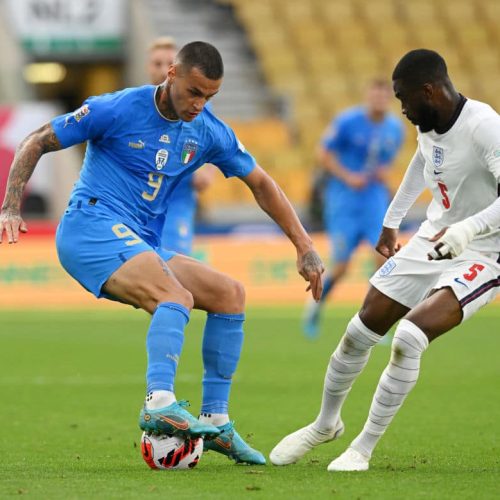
<point x="216" y="419"/>
<point x="159" y="399"/>
<point x="397" y="380"/>
<point x="345" y="365"/>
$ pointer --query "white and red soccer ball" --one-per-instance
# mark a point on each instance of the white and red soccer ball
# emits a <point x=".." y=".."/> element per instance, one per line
<point x="170" y="452"/>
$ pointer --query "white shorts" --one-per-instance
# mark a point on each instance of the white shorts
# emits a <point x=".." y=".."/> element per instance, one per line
<point x="409" y="277"/>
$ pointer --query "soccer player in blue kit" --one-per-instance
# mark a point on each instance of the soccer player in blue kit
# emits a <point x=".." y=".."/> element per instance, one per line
<point x="357" y="151"/>
<point x="106" y="242"/>
<point x="178" y="228"/>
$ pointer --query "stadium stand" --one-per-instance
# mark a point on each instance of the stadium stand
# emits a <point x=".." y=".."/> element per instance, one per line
<point x="320" y="53"/>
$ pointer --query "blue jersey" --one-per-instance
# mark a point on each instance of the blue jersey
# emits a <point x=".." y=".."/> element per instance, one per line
<point x="362" y="145"/>
<point x="135" y="156"/>
<point x="178" y="229"/>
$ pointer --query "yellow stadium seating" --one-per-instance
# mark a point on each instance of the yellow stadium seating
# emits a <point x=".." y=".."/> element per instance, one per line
<point x="320" y="54"/>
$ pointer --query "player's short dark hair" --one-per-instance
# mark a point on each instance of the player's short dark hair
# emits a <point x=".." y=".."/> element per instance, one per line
<point x="421" y="66"/>
<point x="203" y="56"/>
<point x="379" y="82"/>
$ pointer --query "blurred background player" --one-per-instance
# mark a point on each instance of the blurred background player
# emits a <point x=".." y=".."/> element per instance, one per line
<point x="178" y="228"/>
<point x="356" y="151"/>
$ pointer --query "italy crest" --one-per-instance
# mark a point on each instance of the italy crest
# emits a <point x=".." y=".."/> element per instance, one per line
<point x="188" y="151"/>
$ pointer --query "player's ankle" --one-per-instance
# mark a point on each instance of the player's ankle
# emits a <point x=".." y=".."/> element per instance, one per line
<point x="216" y="419"/>
<point x="365" y="444"/>
<point x="323" y="427"/>
<point x="159" y="399"/>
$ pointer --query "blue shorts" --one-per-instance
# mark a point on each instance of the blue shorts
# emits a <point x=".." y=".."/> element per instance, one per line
<point x="347" y="229"/>
<point x="92" y="243"/>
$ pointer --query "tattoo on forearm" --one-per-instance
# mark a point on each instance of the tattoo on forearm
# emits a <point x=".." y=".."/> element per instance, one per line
<point x="311" y="262"/>
<point x="28" y="153"/>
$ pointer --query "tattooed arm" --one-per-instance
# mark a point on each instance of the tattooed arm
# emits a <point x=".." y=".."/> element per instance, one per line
<point x="28" y="153"/>
<point x="274" y="202"/>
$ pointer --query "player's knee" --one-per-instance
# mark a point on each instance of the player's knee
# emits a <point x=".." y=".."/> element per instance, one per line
<point x="235" y="296"/>
<point x="180" y="296"/>
<point x="409" y="342"/>
<point x="148" y="297"/>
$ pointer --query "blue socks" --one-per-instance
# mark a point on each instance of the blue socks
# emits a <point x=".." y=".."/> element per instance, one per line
<point x="164" y="345"/>
<point x="222" y="342"/>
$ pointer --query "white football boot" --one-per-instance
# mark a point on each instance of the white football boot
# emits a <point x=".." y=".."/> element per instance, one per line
<point x="294" y="446"/>
<point x="350" y="460"/>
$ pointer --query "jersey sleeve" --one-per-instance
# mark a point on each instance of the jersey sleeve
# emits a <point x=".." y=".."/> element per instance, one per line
<point x="89" y="122"/>
<point x="486" y="140"/>
<point x="410" y="189"/>
<point x="335" y="134"/>
<point x="389" y="154"/>
<point x="229" y="154"/>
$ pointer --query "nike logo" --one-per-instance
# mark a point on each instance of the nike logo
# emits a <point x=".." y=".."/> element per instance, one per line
<point x="461" y="283"/>
<point x="183" y="425"/>
<point x="437" y="173"/>
<point x="223" y="444"/>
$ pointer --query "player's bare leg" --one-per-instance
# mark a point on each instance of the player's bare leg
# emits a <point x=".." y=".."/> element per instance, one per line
<point x="147" y="282"/>
<point x="430" y="319"/>
<point x="375" y="318"/>
<point x="224" y="300"/>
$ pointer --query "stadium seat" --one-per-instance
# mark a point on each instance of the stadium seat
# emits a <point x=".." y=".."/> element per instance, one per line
<point x="459" y="12"/>
<point x="378" y="12"/>
<point x="336" y="12"/>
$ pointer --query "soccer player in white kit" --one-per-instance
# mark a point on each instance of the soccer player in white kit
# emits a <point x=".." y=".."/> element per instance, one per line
<point x="446" y="272"/>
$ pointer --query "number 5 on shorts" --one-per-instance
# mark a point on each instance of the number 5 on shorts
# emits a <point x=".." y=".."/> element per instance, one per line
<point x="122" y="231"/>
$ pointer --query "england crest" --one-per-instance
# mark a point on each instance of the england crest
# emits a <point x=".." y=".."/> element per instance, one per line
<point x="161" y="158"/>
<point x="188" y="151"/>
<point x="437" y="156"/>
<point x="387" y="268"/>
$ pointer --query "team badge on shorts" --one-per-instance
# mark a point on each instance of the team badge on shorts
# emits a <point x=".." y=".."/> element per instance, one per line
<point x="437" y="156"/>
<point x="188" y="151"/>
<point x="161" y="158"/>
<point x="387" y="268"/>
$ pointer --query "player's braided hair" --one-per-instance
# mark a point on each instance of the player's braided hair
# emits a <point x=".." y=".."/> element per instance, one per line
<point x="421" y="66"/>
<point x="203" y="56"/>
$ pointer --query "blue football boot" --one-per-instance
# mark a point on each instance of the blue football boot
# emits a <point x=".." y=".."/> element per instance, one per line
<point x="230" y="443"/>
<point x="311" y="319"/>
<point x="174" y="420"/>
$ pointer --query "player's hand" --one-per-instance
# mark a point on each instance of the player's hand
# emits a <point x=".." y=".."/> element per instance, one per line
<point x="388" y="242"/>
<point x="12" y="224"/>
<point x="451" y="241"/>
<point x="202" y="178"/>
<point x="311" y="268"/>
<point x="382" y="175"/>
<point x="356" y="181"/>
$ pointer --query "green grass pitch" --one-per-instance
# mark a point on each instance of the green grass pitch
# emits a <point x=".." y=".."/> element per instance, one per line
<point x="72" y="385"/>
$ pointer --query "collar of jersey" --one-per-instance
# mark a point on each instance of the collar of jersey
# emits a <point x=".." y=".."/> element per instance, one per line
<point x="158" y="110"/>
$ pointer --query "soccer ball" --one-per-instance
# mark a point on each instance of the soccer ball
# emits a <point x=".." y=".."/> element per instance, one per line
<point x="170" y="452"/>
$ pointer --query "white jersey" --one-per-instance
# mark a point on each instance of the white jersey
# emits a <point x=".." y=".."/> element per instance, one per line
<point x="462" y="170"/>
